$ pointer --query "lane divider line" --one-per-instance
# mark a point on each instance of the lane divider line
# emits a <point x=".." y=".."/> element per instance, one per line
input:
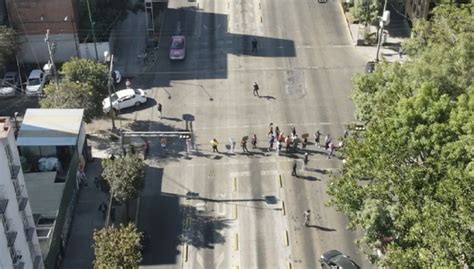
<point x="235" y="212"/>
<point x="289" y="265"/>
<point x="186" y="253"/>
<point x="283" y="207"/>
<point x="287" y="238"/>
<point x="234" y="185"/>
<point x="236" y="242"/>
<point x="281" y="181"/>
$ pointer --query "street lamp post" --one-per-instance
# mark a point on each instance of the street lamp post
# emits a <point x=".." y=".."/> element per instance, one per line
<point x="51" y="50"/>
<point x="109" y="58"/>
<point x="383" y="20"/>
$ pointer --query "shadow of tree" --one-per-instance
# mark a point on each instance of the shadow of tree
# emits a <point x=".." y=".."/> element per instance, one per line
<point x="202" y="230"/>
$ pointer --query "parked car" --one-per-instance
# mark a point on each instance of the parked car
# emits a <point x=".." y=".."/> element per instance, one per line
<point x="178" y="47"/>
<point x="35" y="82"/>
<point x="124" y="98"/>
<point x="10" y="83"/>
<point x="336" y="259"/>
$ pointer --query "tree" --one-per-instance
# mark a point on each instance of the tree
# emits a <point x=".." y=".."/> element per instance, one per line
<point x="365" y="11"/>
<point x="408" y="179"/>
<point x="88" y="71"/>
<point x="125" y="176"/>
<point x="72" y="95"/>
<point x="117" y="247"/>
<point x="8" y="45"/>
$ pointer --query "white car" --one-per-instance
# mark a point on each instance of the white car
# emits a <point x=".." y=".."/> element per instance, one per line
<point x="124" y="98"/>
<point x="35" y="82"/>
<point x="10" y="84"/>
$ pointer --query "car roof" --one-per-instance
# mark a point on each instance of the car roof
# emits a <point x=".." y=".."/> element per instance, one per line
<point x="125" y="92"/>
<point x="331" y="253"/>
<point x="344" y="262"/>
<point x="35" y="73"/>
<point x="177" y="37"/>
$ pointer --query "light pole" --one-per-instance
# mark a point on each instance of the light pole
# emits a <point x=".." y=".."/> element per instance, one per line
<point x="109" y="58"/>
<point x="385" y="19"/>
<point x="51" y="50"/>
<point x="93" y="30"/>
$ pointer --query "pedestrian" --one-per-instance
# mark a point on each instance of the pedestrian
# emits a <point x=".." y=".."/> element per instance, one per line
<point x="214" y="144"/>
<point x="293" y="171"/>
<point x="278" y="147"/>
<point x="112" y="157"/>
<point x="304" y="143"/>
<point x="317" y="138"/>
<point x="146" y="149"/>
<point x="346" y="133"/>
<point x="293" y="131"/>
<point x="96" y="182"/>
<point x="400" y="52"/>
<point x="163" y="143"/>
<point x="288" y="143"/>
<point x="327" y="140"/>
<point x="331" y="150"/>
<point x="280" y="144"/>
<point x="271" y="142"/>
<point x="271" y="128"/>
<point x="306" y="216"/>
<point x="243" y="144"/>
<point x="255" y="89"/>
<point x="254" y="141"/>
<point x="296" y="140"/>
<point x="128" y="84"/>
<point x="103" y="209"/>
<point x="188" y="145"/>
<point x="231" y="145"/>
<point x="254" y="45"/>
<point x="306" y="158"/>
<point x="132" y="149"/>
<point x="277" y="131"/>
<point x="160" y="109"/>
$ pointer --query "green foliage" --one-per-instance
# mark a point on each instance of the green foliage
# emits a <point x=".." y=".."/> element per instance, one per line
<point x="365" y="11"/>
<point x="408" y="179"/>
<point x="89" y="71"/>
<point x="84" y="86"/>
<point x="117" y="247"/>
<point x="8" y="45"/>
<point x="72" y="95"/>
<point x="125" y="176"/>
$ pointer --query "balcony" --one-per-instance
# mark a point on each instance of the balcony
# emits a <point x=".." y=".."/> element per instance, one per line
<point x="16" y="259"/>
<point x="29" y="227"/>
<point x="22" y="202"/>
<point x="14" y="171"/>
<point x="3" y="200"/>
<point x="10" y="233"/>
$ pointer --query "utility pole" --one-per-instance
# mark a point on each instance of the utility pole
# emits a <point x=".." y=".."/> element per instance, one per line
<point x="382" y="24"/>
<point x="51" y="50"/>
<point x="109" y="86"/>
<point x="93" y="30"/>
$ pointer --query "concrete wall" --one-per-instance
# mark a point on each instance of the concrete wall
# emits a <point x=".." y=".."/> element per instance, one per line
<point x="33" y="49"/>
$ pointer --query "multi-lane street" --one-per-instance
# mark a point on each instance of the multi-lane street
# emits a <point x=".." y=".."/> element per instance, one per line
<point x="222" y="210"/>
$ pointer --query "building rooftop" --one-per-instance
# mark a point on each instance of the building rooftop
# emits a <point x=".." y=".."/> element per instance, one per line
<point x="50" y="127"/>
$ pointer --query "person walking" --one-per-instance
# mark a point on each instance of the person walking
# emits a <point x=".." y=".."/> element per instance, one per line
<point x="293" y="171"/>
<point x="231" y="145"/>
<point x="243" y="144"/>
<point x="103" y="209"/>
<point x="271" y="142"/>
<point x="128" y="83"/>
<point x="288" y="143"/>
<point x="304" y="143"/>
<point x="306" y="216"/>
<point x="254" y="45"/>
<point x="97" y="182"/>
<point x="214" y="144"/>
<point x="254" y="141"/>
<point x="293" y="131"/>
<point x="331" y="149"/>
<point x="277" y="131"/>
<point x="327" y="140"/>
<point x="160" y="109"/>
<point x="255" y="89"/>
<point x="305" y="160"/>
<point x="317" y="138"/>
<point x="188" y="145"/>
<point x="146" y="149"/>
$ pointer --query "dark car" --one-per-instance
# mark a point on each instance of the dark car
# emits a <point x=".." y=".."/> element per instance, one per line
<point x="336" y="259"/>
<point x="370" y="67"/>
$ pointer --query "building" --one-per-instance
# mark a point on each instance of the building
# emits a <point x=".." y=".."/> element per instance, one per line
<point x="53" y="147"/>
<point x="19" y="244"/>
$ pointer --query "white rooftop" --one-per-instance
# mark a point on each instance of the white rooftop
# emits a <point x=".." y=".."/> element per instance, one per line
<point x="50" y="127"/>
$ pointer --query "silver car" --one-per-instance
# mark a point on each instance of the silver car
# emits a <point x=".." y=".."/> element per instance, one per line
<point x="10" y="84"/>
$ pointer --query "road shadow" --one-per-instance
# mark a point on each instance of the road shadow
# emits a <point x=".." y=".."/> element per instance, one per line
<point x="150" y="102"/>
<point x="309" y="178"/>
<point x="171" y="119"/>
<point x="268" y="97"/>
<point x="321" y="228"/>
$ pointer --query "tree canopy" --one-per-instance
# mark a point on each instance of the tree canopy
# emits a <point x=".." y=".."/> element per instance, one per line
<point x="408" y="179"/>
<point x="117" y="247"/>
<point x="84" y="86"/>
<point x="8" y="44"/>
<point x="72" y="95"/>
<point x="125" y="176"/>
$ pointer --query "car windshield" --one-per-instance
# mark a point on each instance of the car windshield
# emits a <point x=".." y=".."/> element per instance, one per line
<point x="34" y="81"/>
<point x="114" y="97"/>
<point x="177" y="44"/>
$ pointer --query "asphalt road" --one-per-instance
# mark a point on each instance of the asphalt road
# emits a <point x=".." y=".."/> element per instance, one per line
<point x="210" y="210"/>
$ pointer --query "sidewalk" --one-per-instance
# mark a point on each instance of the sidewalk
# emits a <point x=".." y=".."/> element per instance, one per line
<point x="395" y="32"/>
<point x="79" y="253"/>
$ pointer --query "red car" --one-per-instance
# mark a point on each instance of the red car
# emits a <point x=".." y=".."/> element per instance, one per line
<point x="178" y="47"/>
